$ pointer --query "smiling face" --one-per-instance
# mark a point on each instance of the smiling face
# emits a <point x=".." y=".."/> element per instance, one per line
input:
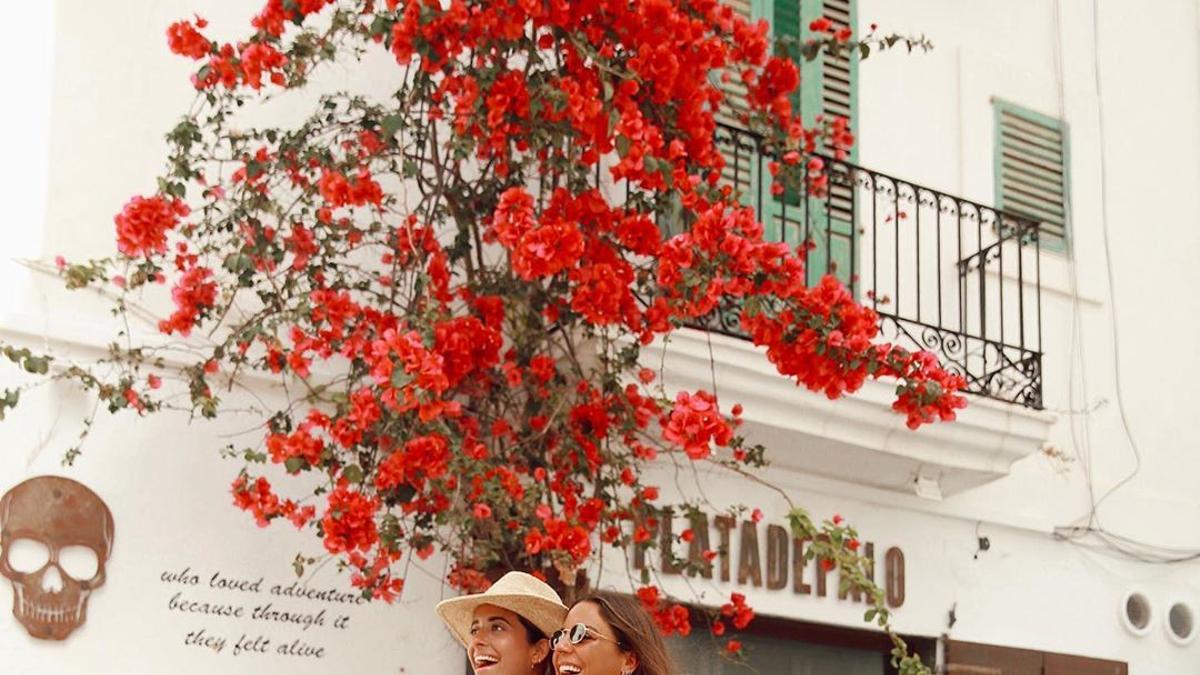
<point x="593" y="655"/>
<point x="499" y="643"/>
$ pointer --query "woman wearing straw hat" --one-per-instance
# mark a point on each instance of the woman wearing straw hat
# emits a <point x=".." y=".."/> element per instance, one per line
<point x="505" y="628"/>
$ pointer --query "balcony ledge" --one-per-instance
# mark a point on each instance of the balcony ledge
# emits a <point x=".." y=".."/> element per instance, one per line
<point x="858" y="438"/>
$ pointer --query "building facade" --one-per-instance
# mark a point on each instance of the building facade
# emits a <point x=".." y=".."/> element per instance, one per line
<point x="1020" y="200"/>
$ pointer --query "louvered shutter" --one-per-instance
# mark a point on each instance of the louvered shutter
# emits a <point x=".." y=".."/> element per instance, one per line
<point x="827" y="90"/>
<point x="735" y="91"/>
<point x="786" y="22"/>
<point x="740" y="159"/>
<point x="837" y="92"/>
<point x="836" y="97"/>
<point x="1031" y="170"/>
<point x="827" y="84"/>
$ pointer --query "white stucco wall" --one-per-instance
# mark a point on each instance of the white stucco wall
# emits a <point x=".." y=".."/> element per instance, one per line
<point x="929" y="118"/>
<point x="116" y="90"/>
<point x="27" y="46"/>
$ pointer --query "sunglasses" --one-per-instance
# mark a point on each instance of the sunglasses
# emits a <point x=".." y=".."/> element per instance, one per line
<point x="577" y="634"/>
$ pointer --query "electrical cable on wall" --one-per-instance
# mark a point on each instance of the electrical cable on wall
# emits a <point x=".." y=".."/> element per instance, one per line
<point x="1077" y="354"/>
<point x="1122" y="545"/>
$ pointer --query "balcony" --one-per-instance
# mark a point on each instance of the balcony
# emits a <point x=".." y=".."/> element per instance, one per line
<point x="945" y="274"/>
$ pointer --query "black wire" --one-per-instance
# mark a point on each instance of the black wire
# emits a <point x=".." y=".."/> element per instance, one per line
<point x="1112" y="293"/>
<point x="1126" y="546"/>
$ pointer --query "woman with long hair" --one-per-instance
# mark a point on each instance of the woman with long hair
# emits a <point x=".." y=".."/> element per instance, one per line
<point x="504" y="628"/>
<point x="607" y="633"/>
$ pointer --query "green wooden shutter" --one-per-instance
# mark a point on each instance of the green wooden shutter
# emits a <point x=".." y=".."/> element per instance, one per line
<point x="828" y="89"/>
<point x="1031" y="170"/>
<point x="740" y="166"/>
<point x="839" y="74"/>
<point x="786" y="23"/>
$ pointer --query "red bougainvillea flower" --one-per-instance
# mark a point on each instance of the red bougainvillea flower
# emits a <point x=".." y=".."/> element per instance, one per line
<point x="671" y="618"/>
<point x="349" y="522"/>
<point x="695" y="424"/>
<point x="185" y="40"/>
<point x="739" y="613"/>
<point x="194" y="294"/>
<point x="275" y="16"/>
<point x="258" y="59"/>
<point x="143" y="224"/>
<point x="257" y="498"/>
<point x="300" y="445"/>
<point x="547" y="250"/>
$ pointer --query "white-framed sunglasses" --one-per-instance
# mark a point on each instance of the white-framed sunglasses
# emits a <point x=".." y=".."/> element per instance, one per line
<point x="577" y="634"/>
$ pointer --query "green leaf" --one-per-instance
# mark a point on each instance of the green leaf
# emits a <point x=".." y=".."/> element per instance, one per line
<point x="9" y="400"/>
<point x="294" y="464"/>
<point x="391" y="124"/>
<point x="353" y="474"/>
<point x="622" y="146"/>
<point x="400" y="378"/>
<point x="238" y="262"/>
<point x="389" y="530"/>
<point x="37" y="365"/>
<point x="650" y="163"/>
<point x="381" y="26"/>
<point x="864" y="50"/>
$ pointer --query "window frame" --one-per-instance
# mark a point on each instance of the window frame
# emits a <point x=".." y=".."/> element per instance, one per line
<point x="826" y="635"/>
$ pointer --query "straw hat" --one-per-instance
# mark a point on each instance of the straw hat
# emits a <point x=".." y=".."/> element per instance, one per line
<point x="518" y="592"/>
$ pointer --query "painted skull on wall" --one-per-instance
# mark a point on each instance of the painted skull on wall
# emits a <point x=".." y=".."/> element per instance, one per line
<point x="55" y="538"/>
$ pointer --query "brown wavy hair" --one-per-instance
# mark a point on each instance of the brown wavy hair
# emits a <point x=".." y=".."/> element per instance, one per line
<point x="635" y="630"/>
<point x="533" y="635"/>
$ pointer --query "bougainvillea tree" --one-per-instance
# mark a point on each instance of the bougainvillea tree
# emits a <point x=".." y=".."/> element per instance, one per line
<point x="458" y="279"/>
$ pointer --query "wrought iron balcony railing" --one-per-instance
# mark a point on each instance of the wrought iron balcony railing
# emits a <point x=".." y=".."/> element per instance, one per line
<point x="945" y="274"/>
